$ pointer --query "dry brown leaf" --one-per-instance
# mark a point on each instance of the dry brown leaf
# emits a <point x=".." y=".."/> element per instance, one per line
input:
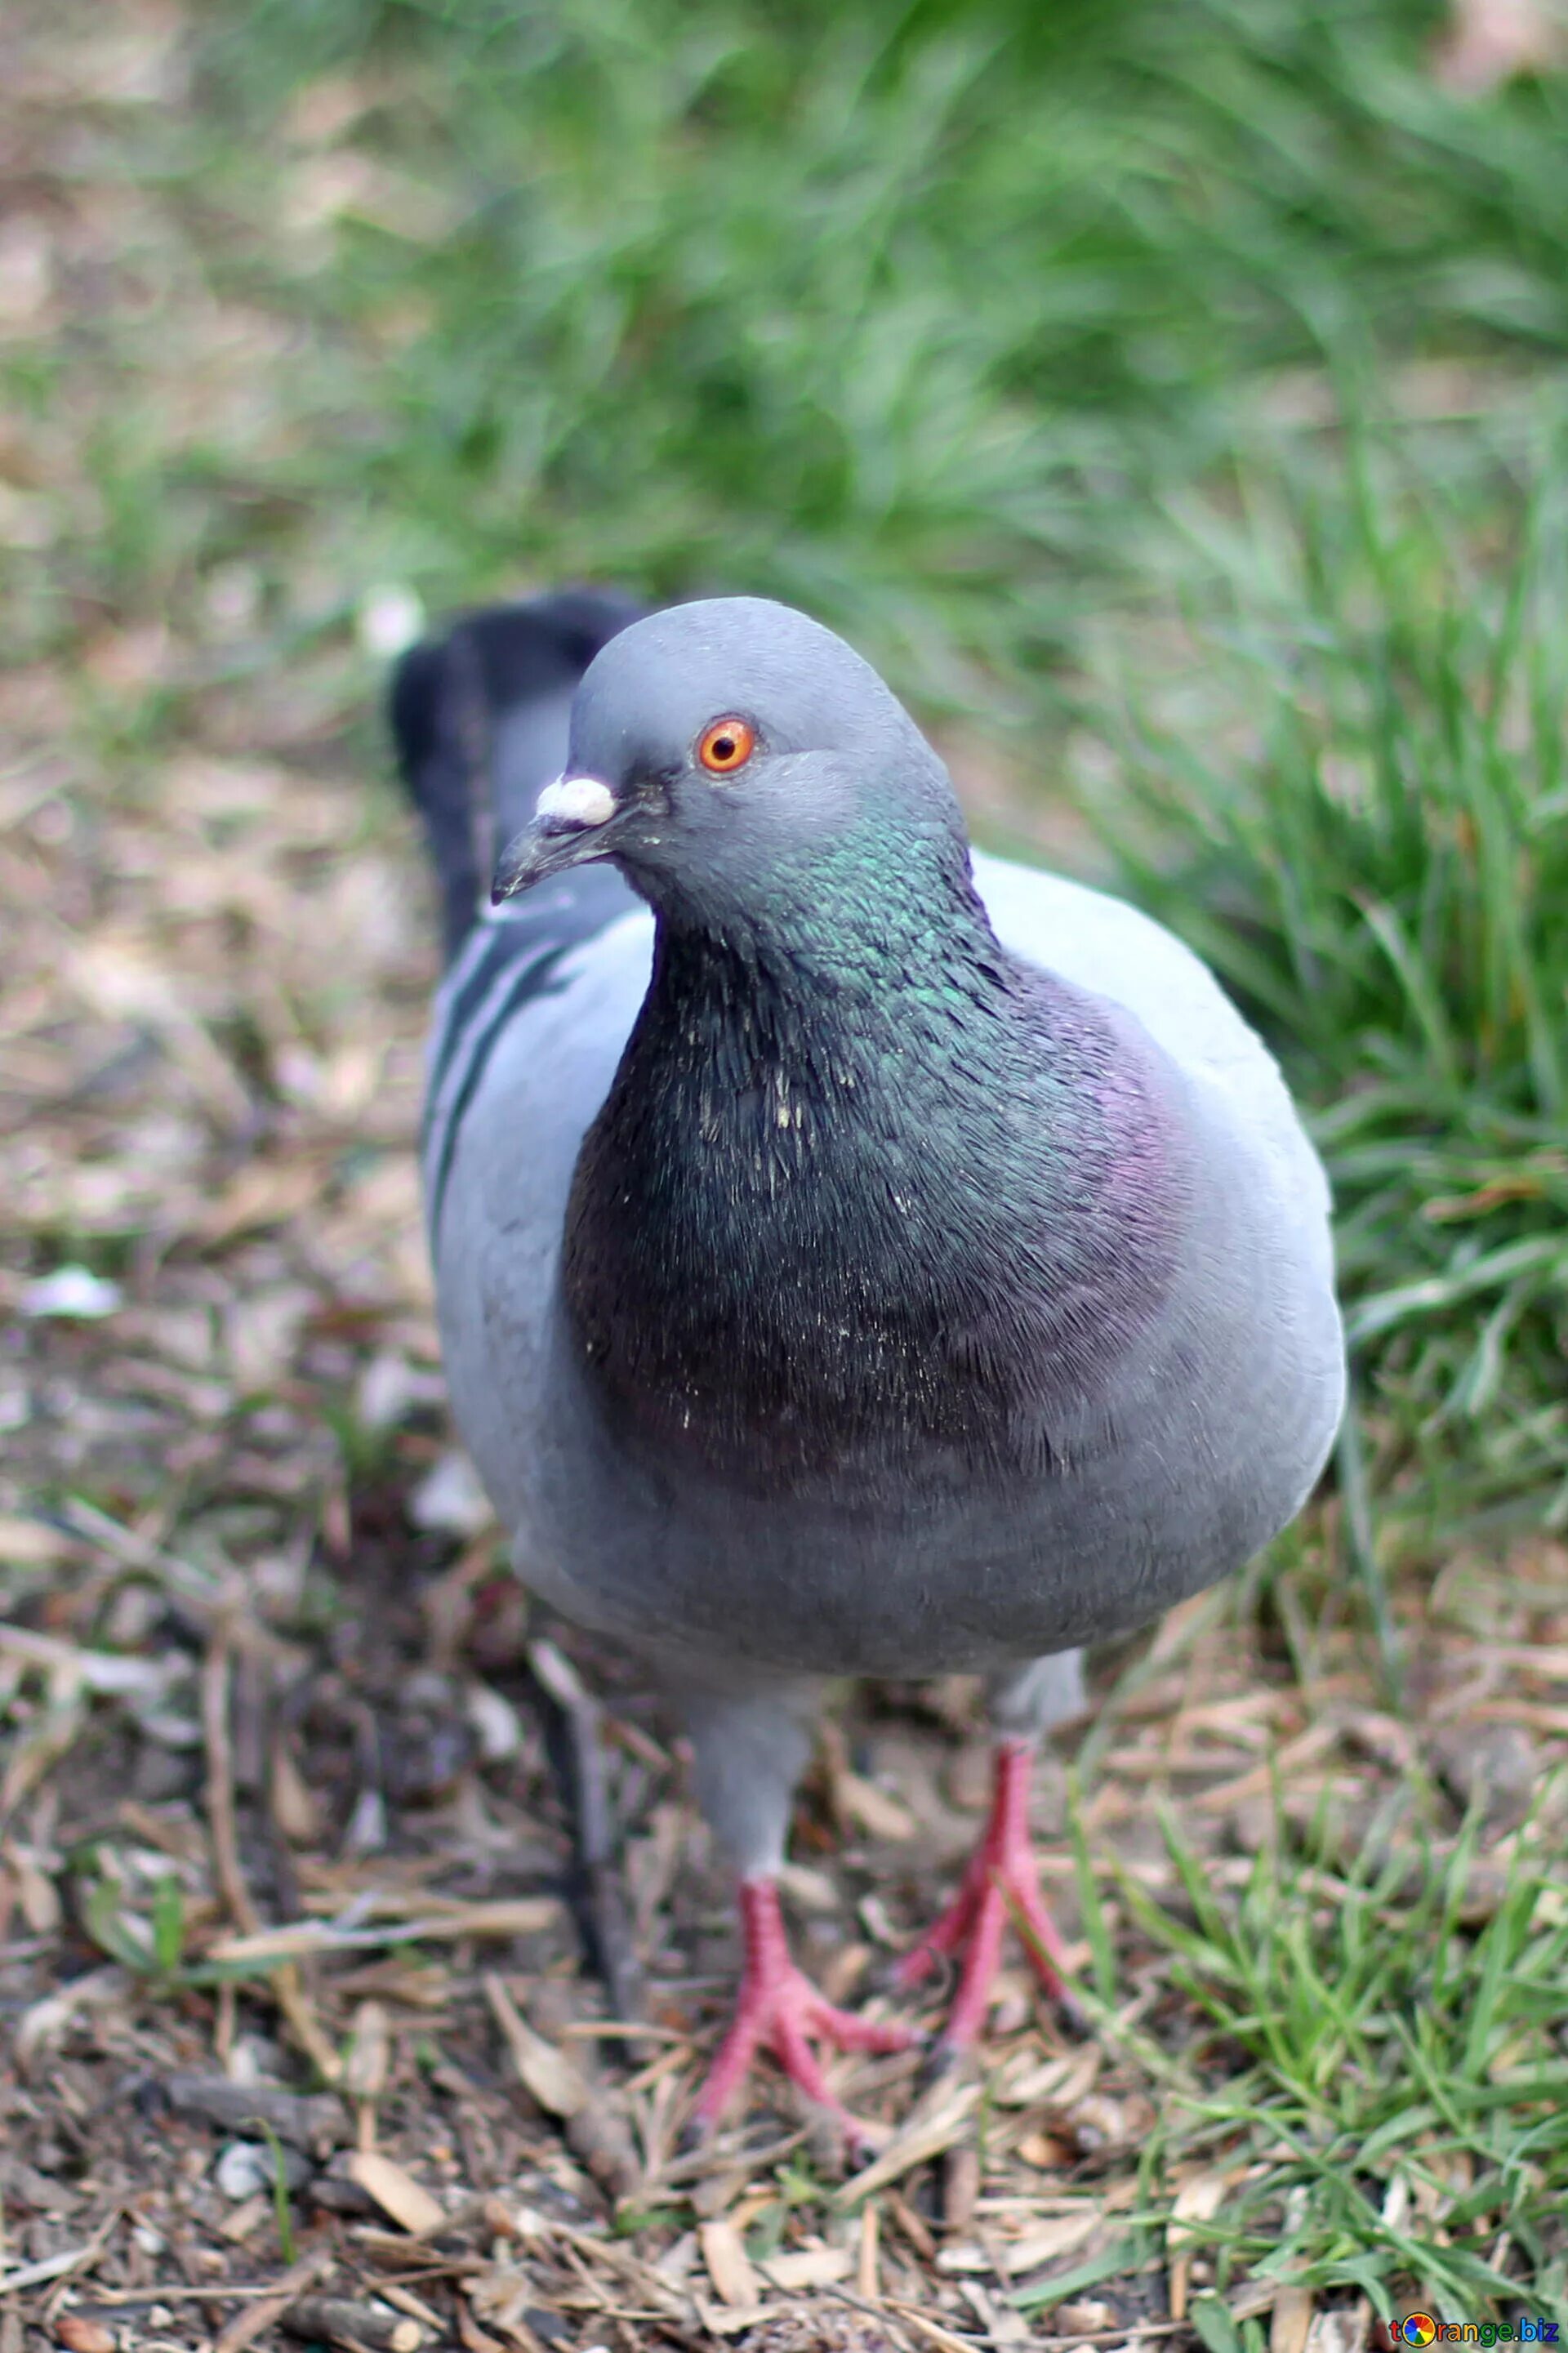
<point x="79" y="2335"/>
<point x="734" y="2281"/>
<point x="931" y="2331"/>
<point x="36" y="1891"/>
<point x="928" y="2131"/>
<point x="28" y="1543"/>
<point x="1051" y="2239"/>
<point x="964" y="2255"/>
<point x="261" y="1335"/>
<point x="1341" y="2331"/>
<point x="1061" y="2082"/>
<point x="119" y="981"/>
<point x="1290" y="2321"/>
<point x="294" y="1807"/>
<point x="1262" y="1778"/>
<point x="867" y="2277"/>
<point x="808" y="2267"/>
<point x="877" y="1814"/>
<point x="473" y="2337"/>
<point x="247" y="2217"/>
<point x="1198" y="2199"/>
<point x="721" y="2322"/>
<point x="396" y="2192"/>
<point x="1084" y="2317"/>
<point x="267" y="1193"/>
<point x="545" y="2071"/>
<point x="369" y="2054"/>
<point x="44" y="2022"/>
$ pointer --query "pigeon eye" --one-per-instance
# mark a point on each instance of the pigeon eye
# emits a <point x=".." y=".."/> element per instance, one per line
<point x="726" y="744"/>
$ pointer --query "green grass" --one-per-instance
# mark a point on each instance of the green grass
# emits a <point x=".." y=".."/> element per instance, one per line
<point x="1381" y="876"/>
<point x="914" y="314"/>
<point x="1400" y="2116"/>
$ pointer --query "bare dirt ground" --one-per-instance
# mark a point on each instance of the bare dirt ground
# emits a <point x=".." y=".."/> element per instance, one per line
<point x="300" y="2026"/>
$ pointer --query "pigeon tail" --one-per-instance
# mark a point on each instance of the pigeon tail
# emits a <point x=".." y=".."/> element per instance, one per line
<point x="479" y="720"/>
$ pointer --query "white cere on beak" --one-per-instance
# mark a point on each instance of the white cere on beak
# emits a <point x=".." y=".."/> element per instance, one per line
<point x="573" y="801"/>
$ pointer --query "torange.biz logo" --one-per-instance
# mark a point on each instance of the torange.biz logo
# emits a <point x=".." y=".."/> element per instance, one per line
<point x="1422" y="2328"/>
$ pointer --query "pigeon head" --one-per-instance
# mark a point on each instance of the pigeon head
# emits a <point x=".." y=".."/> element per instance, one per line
<point x="728" y="752"/>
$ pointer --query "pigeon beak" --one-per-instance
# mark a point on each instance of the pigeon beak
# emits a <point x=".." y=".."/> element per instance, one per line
<point x="567" y="819"/>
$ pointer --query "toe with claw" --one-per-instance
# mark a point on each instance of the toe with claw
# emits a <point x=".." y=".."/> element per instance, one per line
<point x="1002" y="1884"/>
<point x="779" y="2009"/>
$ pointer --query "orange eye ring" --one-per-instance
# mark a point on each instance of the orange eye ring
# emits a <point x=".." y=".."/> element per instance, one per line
<point x="726" y="744"/>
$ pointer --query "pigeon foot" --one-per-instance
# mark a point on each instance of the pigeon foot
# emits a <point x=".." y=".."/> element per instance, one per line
<point x="1002" y="1884"/>
<point x="778" y="2007"/>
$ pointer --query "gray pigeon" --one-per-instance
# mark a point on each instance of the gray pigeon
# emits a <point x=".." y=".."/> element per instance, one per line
<point x="854" y="1256"/>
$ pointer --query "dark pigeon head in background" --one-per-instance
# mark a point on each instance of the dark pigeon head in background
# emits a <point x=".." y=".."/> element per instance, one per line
<point x="479" y="716"/>
<point x="720" y="751"/>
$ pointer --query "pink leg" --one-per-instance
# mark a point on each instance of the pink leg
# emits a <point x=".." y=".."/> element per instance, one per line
<point x="778" y="2006"/>
<point x="1001" y="1882"/>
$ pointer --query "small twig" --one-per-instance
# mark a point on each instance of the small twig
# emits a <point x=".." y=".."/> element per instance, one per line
<point x="197" y="1593"/>
<point x="518" y="1915"/>
<point x="214" y="2291"/>
<point x="83" y="1519"/>
<point x="918" y="2139"/>
<point x="228" y="1853"/>
<point x="83" y="2260"/>
<point x="313" y="2121"/>
<point x="386" y="2246"/>
<point x="923" y="2325"/>
<point x="224" y="1836"/>
<point x="346" y="2323"/>
<point x="97" y="1671"/>
<point x="226" y="2021"/>
<point x="415" y="2306"/>
<point x="247" y="2325"/>
<point x="221" y="1828"/>
<point x="1128" y="2333"/>
<point x="882" y="2312"/>
<point x="866" y="2279"/>
<point x="673" y="2307"/>
<point x="692" y="2165"/>
<point x="50" y="2267"/>
<point x="294" y="2002"/>
<point x="592" y="2129"/>
<point x="619" y="2030"/>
